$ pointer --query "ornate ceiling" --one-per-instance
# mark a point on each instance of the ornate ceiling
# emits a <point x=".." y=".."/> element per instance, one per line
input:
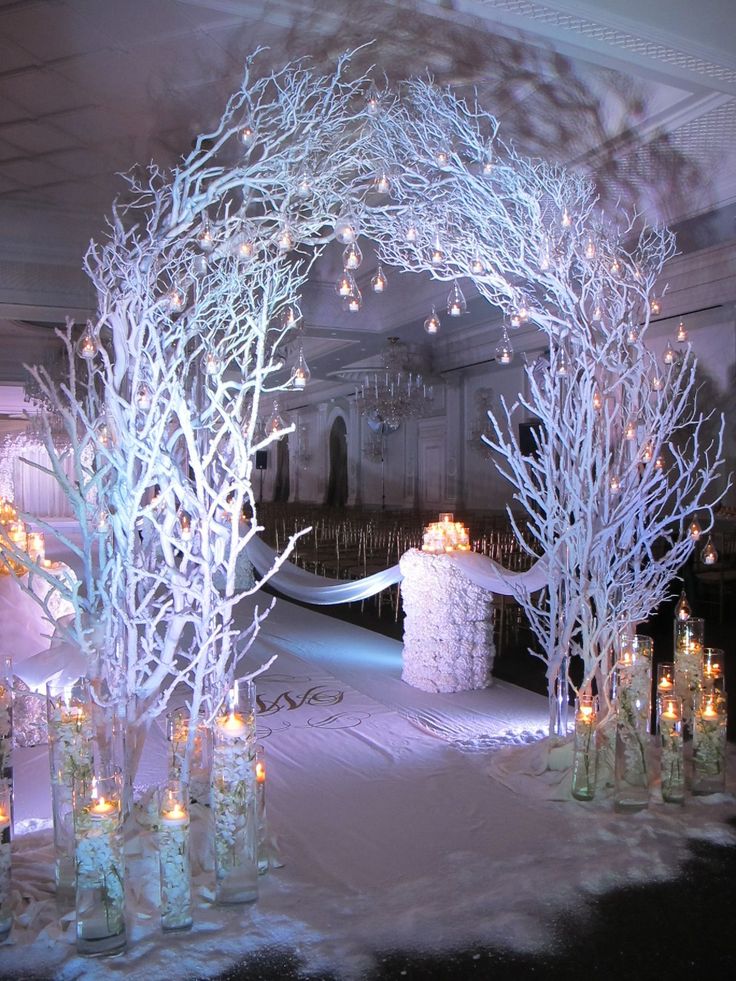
<point x="643" y="95"/>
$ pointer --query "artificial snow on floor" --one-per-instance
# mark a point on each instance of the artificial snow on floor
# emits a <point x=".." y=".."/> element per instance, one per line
<point x="396" y="818"/>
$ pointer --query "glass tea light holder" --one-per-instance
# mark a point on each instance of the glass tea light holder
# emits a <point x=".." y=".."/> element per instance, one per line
<point x="709" y="743"/>
<point x="71" y="736"/>
<point x="714" y="669"/>
<point x="6" y="916"/>
<point x="689" y="646"/>
<point x="173" y="853"/>
<point x="233" y="798"/>
<point x="585" y="755"/>
<point x="100" y="863"/>
<point x="672" y="760"/>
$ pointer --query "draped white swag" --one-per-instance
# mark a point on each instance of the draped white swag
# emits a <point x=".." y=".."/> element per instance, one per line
<point x="33" y="491"/>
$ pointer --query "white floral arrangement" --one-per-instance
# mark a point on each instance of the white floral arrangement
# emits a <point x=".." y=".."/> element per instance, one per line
<point x="100" y="870"/>
<point x="709" y="746"/>
<point x="176" y="888"/>
<point x="688" y="675"/>
<point x="70" y="758"/>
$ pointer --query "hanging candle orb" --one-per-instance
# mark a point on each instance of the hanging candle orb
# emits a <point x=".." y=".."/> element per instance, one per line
<point x="456" y="305"/>
<point x="346" y="228"/>
<point x="186" y="530"/>
<point x="647" y="453"/>
<point x="285" y="239"/>
<point x="669" y="355"/>
<point x="657" y="383"/>
<point x="682" y="610"/>
<point x="590" y="249"/>
<point x="659" y="462"/>
<point x="544" y="255"/>
<point x="373" y="100"/>
<point x="303" y="186"/>
<point x="477" y="266"/>
<point x="486" y="167"/>
<point x="504" y="351"/>
<point x="709" y="555"/>
<point x="382" y="184"/>
<point x="442" y="156"/>
<point x="275" y="422"/>
<point x="432" y="324"/>
<point x="615" y="267"/>
<point x="354" y="302"/>
<point x="655" y="307"/>
<point x="102" y="520"/>
<point x="211" y="363"/>
<point x="346" y="285"/>
<point x="143" y="397"/>
<point x="630" y="432"/>
<point x="379" y="283"/>
<point x="352" y="256"/>
<point x="614" y="484"/>
<point x="176" y="299"/>
<point x="104" y="434"/>
<point x="695" y="530"/>
<point x="411" y="231"/>
<point x="199" y="265"/>
<point x="244" y="245"/>
<point x="632" y="334"/>
<point x="563" y="367"/>
<point x="301" y="374"/>
<point x="565" y="220"/>
<point x="597" y="400"/>
<point x="88" y="345"/>
<point x="598" y="312"/>
<point x="522" y="311"/>
<point x="681" y="333"/>
<point x="205" y="238"/>
<point x="438" y="255"/>
<point x="247" y="135"/>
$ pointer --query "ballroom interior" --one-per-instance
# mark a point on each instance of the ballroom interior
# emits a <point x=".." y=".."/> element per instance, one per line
<point x="401" y="847"/>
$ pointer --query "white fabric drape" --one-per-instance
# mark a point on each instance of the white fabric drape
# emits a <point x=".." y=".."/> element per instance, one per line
<point x="38" y="493"/>
<point x="306" y="587"/>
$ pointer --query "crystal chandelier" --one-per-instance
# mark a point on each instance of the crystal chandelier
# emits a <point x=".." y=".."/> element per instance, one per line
<point x="388" y="396"/>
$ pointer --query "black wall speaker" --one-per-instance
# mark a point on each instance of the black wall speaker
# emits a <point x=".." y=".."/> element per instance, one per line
<point x="261" y="459"/>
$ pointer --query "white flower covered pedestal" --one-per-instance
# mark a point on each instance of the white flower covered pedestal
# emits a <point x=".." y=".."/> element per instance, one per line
<point x="448" y="630"/>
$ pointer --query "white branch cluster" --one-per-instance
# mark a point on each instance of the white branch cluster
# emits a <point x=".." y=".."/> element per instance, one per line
<point x="193" y="283"/>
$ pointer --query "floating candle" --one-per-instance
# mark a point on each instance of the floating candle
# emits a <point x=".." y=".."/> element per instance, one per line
<point x="260" y="772"/>
<point x="102" y="808"/>
<point x="233" y="724"/>
<point x="174" y="817"/>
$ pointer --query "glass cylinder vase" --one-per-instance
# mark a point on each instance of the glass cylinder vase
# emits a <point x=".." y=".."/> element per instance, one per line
<point x="71" y="734"/>
<point x="262" y="828"/>
<point x="173" y="853"/>
<point x="6" y="916"/>
<point x="689" y="636"/>
<point x="714" y="669"/>
<point x="634" y="673"/>
<point x="6" y="719"/>
<point x="233" y="798"/>
<point x="709" y="743"/>
<point x="631" y="773"/>
<point x="672" y="761"/>
<point x="200" y="760"/>
<point x="100" y="863"/>
<point x="585" y="757"/>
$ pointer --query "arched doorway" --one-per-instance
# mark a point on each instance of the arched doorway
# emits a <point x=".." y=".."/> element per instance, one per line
<point x="281" y="481"/>
<point x="337" y="485"/>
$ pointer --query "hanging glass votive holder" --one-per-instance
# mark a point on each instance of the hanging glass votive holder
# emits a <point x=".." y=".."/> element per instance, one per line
<point x="585" y="755"/>
<point x="260" y="764"/>
<point x="709" y="743"/>
<point x="714" y="670"/>
<point x="689" y="635"/>
<point x="233" y="798"/>
<point x="200" y="761"/>
<point x="173" y="853"/>
<point x="71" y="735"/>
<point x="6" y="916"/>
<point x="100" y="863"/>
<point x="672" y="762"/>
